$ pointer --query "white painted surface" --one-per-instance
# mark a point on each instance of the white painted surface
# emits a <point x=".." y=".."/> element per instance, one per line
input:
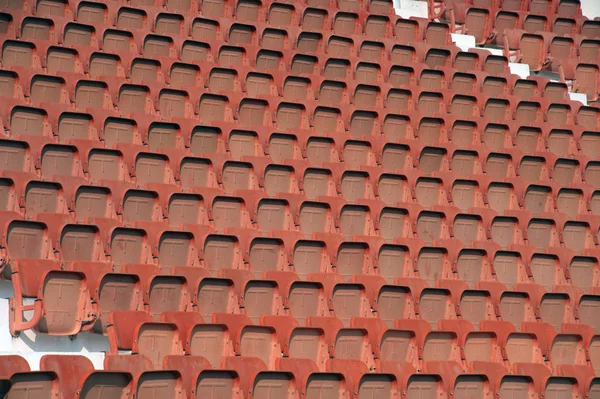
<point x="519" y="69"/>
<point x="411" y="8"/>
<point x="590" y="8"/>
<point x="581" y="97"/>
<point x="495" y="51"/>
<point x="464" y="42"/>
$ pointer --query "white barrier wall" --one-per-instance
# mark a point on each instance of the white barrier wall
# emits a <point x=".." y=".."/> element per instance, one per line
<point x="411" y="8"/>
<point x="590" y="8"/>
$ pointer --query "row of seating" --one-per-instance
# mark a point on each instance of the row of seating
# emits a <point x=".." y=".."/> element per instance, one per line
<point x="279" y="19"/>
<point x="542" y="50"/>
<point x="558" y="50"/>
<point x="91" y="11"/>
<point x="31" y="51"/>
<point x="535" y="40"/>
<point x="97" y="288"/>
<point x="81" y="59"/>
<point x="20" y="82"/>
<point x="92" y="94"/>
<point x="545" y="7"/>
<point x="296" y="181"/>
<point x="245" y="11"/>
<point x="409" y="141"/>
<point x="514" y="39"/>
<point x="487" y="19"/>
<point x="25" y="54"/>
<point x="192" y="377"/>
<point x="156" y="46"/>
<point x="258" y="155"/>
<point x="489" y="26"/>
<point x="559" y="45"/>
<point x="138" y="166"/>
<point x="259" y="103"/>
<point x="428" y="240"/>
<point x="363" y="341"/>
<point x="495" y="22"/>
<point x="355" y="212"/>
<point x="407" y="31"/>
<point x="266" y="34"/>
<point x="406" y="143"/>
<point x="368" y="112"/>
<point x="434" y="94"/>
<point x="461" y="79"/>
<point x="256" y="215"/>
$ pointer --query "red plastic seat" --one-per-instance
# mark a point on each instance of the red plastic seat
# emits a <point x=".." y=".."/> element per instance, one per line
<point x="105" y="384"/>
<point x="593" y="352"/>
<point x="164" y="293"/>
<point x="584" y="77"/>
<point x="167" y="382"/>
<point x="12" y="364"/>
<point x="188" y="366"/>
<point x="476" y="306"/>
<point x="307" y="299"/>
<point x="310" y="380"/>
<point x="54" y="291"/>
<point x="261" y="297"/>
<point x="22" y="383"/>
<point x="353" y="370"/>
<point x="570" y="385"/>
<point x="416" y="383"/>
<point x="472" y="265"/>
<point x="247" y="367"/>
<point x="519" y="383"/>
<point x="477" y="21"/>
<point x="260" y="342"/>
<point x="133" y="364"/>
<point x="399" y="350"/>
<point x="569" y="358"/>
<point x="432" y="263"/>
<point x="223" y="382"/>
<point x="479" y="361"/>
<point x="525" y="356"/>
<point x="135" y="331"/>
<point x="532" y="49"/>
<point x="349" y="300"/>
<point x="22" y="53"/>
<point x="197" y="336"/>
<point x="68" y="368"/>
<point x="436" y="304"/>
<point x="394" y="302"/>
<point x="329" y="325"/>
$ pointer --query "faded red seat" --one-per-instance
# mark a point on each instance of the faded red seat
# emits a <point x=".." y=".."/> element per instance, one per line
<point x="68" y="368"/>
<point x="135" y="331"/>
<point x="12" y="364"/>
